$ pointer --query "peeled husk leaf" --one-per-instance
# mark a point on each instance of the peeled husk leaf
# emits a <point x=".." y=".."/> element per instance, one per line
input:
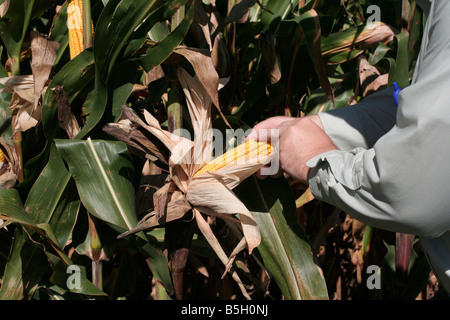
<point x="211" y="196"/>
<point x="139" y="141"/>
<point x="208" y="78"/>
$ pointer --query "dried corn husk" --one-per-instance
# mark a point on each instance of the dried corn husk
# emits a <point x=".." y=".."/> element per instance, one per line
<point x="208" y="192"/>
<point x="187" y="188"/>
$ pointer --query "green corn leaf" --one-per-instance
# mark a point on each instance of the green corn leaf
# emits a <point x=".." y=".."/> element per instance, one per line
<point x="318" y="100"/>
<point x="158" y="53"/>
<point x="275" y="11"/>
<point x="95" y="105"/>
<point x="345" y="45"/>
<point x="13" y="27"/>
<point x="285" y="249"/>
<point x="14" y="211"/>
<point x="27" y="263"/>
<point x="59" y="207"/>
<point x="26" y="266"/>
<point x="310" y="24"/>
<point x="5" y="111"/>
<point x="399" y="70"/>
<point x="103" y="173"/>
<point x="75" y="77"/>
<point x="80" y="284"/>
<point x="60" y="33"/>
<point x="115" y="25"/>
<point x="239" y="10"/>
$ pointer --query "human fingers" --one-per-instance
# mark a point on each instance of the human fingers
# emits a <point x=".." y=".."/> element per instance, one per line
<point x="270" y="123"/>
<point x="262" y="176"/>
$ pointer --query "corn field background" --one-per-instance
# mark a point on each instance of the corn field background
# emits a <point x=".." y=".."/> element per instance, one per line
<point x="71" y="183"/>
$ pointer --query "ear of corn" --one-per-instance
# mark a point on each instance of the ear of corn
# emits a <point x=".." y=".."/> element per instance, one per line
<point x="2" y="158"/>
<point x="75" y="27"/>
<point x="251" y="148"/>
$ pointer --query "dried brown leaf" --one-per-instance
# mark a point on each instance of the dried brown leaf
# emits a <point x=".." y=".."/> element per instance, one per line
<point x="66" y="118"/>
<point x="273" y="72"/>
<point x="316" y="55"/>
<point x="149" y="221"/>
<point x="161" y="198"/>
<point x="239" y="247"/>
<point x="43" y="53"/>
<point x="9" y="167"/>
<point x="18" y="84"/>
<point x="24" y="115"/>
<point x="137" y="142"/>
<point x="374" y="33"/>
<point x="201" y="22"/>
<point x="169" y="140"/>
<point x="215" y="245"/>
<point x="27" y="89"/>
<point x="221" y="58"/>
<point x="370" y="78"/>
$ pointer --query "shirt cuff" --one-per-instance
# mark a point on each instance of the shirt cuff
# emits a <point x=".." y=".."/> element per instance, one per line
<point x="335" y="167"/>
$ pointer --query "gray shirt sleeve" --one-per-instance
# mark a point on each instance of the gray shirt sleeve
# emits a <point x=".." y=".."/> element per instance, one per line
<point x="402" y="182"/>
<point x="425" y="5"/>
<point x="362" y="124"/>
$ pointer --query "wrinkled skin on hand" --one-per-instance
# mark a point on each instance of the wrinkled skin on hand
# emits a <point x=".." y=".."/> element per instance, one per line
<point x="300" y="139"/>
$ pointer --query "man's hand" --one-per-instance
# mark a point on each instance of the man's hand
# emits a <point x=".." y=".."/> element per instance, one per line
<point x="300" y="139"/>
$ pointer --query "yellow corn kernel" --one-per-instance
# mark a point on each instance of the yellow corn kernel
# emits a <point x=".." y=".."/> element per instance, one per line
<point x="75" y="27"/>
<point x="2" y="158"/>
<point x="251" y="148"/>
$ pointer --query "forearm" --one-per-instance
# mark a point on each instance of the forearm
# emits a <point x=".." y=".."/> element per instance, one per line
<point x="400" y="183"/>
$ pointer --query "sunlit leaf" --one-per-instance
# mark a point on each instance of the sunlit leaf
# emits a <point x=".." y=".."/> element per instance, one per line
<point x="25" y="268"/>
<point x="285" y="248"/>
<point x="59" y="207"/>
<point x="103" y="173"/>
<point x="158" y="53"/>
